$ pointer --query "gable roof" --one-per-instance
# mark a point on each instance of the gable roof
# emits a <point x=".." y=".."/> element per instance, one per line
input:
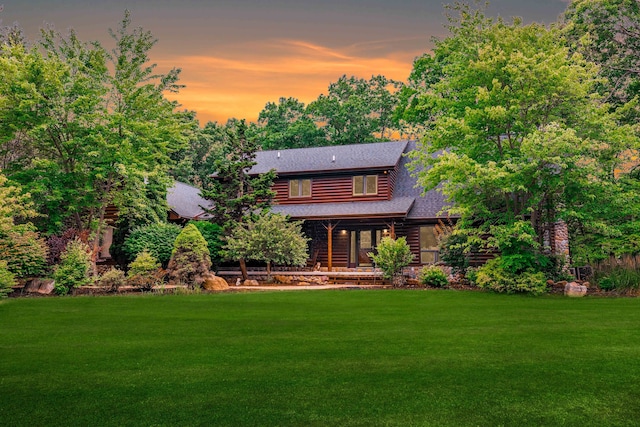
<point x="334" y="158"/>
<point x="426" y="206"/>
<point x="185" y="200"/>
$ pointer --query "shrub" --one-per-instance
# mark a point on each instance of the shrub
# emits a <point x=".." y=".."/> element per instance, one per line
<point x="74" y="267"/>
<point x="144" y="271"/>
<point x="433" y="275"/>
<point x="7" y="279"/>
<point x="190" y="262"/>
<point x="112" y="279"/>
<point x="392" y="256"/>
<point x="57" y="244"/>
<point x="157" y="238"/>
<point x="471" y="275"/>
<point x="213" y="234"/>
<point x="495" y="277"/>
<point x="24" y="251"/>
<point x="452" y="251"/>
<point x="625" y="280"/>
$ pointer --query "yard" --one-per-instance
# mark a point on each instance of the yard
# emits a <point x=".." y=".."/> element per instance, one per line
<point x="320" y="358"/>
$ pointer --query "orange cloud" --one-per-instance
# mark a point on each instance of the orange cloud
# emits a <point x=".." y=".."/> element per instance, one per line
<point x="240" y="80"/>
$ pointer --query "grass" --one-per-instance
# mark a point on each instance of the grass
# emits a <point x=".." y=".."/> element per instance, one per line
<point x="359" y="358"/>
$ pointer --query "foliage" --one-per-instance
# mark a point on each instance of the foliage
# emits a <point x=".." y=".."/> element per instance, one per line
<point x="287" y="124"/>
<point x="112" y="279"/>
<point x="607" y="32"/>
<point x="517" y="137"/>
<point x="622" y="279"/>
<point x="89" y="127"/>
<point x="453" y="250"/>
<point x="432" y="275"/>
<point x="7" y="279"/>
<point x="157" y="238"/>
<point x="195" y="161"/>
<point x="270" y="238"/>
<point x="73" y="270"/>
<point x="495" y="277"/>
<point x="24" y="250"/>
<point x="56" y="244"/>
<point x="356" y="110"/>
<point x="144" y="272"/>
<point x="214" y="235"/>
<point x="234" y="193"/>
<point x="190" y="261"/>
<point x="391" y="256"/>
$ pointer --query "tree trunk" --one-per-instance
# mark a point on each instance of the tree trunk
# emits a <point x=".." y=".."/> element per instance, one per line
<point x="268" y="271"/>
<point x="243" y="269"/>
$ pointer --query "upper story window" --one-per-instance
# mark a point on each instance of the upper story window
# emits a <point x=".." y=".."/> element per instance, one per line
<point x="300" y="188"/>
<point x="365" y="184"/>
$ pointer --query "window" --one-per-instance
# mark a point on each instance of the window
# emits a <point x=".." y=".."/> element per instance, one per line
<point x="300" y="188"/>
<point x="365" y="184"/>
<point x="428" y="245"/>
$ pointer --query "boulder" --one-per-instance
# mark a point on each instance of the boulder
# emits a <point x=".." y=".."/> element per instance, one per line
<point x="285" y="280"/>
<point x="214" y="283"/>
<point x="575" y="290"/>
<point x="40" y="286"/>
<point x="250" y="282"/>
<point x="304" y="284"/>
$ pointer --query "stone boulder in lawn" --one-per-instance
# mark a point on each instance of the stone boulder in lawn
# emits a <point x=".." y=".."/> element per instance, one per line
<point x="40" y="286"/>
<point x="250" y="282"/>
<point x="575" y="290"/>
<point x="214" y="283"/>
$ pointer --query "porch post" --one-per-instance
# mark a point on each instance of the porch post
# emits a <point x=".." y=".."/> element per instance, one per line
<point x="330" y="247"/>
<point x="392" y="231"/>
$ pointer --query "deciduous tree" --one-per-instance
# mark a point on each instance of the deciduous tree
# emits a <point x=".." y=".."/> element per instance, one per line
<point x="270" y="238"/>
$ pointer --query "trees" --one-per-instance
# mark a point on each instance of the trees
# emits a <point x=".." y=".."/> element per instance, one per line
<point x="515" y="135"/>
<point x="607" y="32"/>
<point x="270" y="238"/>
<point x="287" y="124"/>
<point x="235" y="194"/>
<point x="93" y="128"/>
<point x="356" y="110"/>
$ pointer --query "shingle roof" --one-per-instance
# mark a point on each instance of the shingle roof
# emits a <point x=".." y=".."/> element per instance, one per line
<point x="377" y="155"/>
<point x="425" y="206"/>
<point x="396" y="207"/>
<point x="186" y="201"/>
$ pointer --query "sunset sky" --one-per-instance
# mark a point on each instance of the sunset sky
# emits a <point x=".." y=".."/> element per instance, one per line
<point x="238" y="55"/>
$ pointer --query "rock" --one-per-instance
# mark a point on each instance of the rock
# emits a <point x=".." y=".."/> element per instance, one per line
<point x="214" y="283"/>
<point x="285" y="280"/>
<point x="304" y="284"/>
<point x="250" y="282"/>
<point x="574" y="290"/>
<point x="586" y="284"/>
<point x="550" y="283"/>
<point x="40" y="286"/>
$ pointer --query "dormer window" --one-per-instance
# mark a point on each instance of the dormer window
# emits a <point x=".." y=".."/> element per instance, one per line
<point x="365" y="185"/>
<point x="300" y="188"/>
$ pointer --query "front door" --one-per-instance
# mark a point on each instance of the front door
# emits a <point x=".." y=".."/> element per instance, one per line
<point x="362" y="243"/>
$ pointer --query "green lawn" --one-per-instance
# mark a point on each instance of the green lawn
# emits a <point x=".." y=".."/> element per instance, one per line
<point x="339" y="358"/>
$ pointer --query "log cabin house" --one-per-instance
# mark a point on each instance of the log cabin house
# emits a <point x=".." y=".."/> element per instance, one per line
<point x="350" y="196"/>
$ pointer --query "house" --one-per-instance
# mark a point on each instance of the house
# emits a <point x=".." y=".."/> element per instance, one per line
<point x="351" y="196"/>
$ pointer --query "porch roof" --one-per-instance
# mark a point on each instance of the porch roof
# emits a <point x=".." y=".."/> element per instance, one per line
<point x="397" y="207"/>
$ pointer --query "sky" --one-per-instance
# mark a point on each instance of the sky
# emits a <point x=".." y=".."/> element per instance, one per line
<point x="237" y="55"/>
